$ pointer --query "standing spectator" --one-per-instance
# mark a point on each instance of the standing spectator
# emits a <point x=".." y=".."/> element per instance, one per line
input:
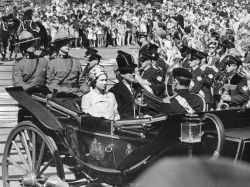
<point x="135" y="24"/>
<point x="143" y="25"/>
<point x="94" y="35"/>
<point x="54" y="25"/>
<point x="90" y="32"/>
<point x="99" y="35"/>
<point x="129" y="26"/>
<point x="122" y="29"/>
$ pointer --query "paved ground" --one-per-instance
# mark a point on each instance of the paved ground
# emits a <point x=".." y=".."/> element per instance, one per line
<point x="8" y="107"/>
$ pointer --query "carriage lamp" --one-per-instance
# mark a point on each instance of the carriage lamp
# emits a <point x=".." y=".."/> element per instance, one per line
<point x="191" y="129"/>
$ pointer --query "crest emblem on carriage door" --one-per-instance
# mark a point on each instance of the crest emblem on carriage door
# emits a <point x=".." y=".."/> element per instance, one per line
<point x="97" y="150"/>
<point x="129" y="149"/>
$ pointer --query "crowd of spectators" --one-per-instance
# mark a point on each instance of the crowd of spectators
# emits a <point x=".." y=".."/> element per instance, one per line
<point x="170" y="24"/>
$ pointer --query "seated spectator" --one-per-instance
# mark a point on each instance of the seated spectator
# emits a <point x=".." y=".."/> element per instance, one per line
<point x="98" y="102"/>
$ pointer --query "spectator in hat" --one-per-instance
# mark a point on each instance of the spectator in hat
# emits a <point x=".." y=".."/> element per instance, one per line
<point x="98" y="102"/>
<point x="184" y="101"/>
<point x="239" y="91"/>
<point x="65" y="74"/>
<point x="30" y="71"/>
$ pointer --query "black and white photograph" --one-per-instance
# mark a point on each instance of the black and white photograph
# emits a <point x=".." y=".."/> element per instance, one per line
<point x="124" y="93"/>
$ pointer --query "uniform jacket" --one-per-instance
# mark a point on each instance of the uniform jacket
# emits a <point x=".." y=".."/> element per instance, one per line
<point x="124" y="98"/>
<point x="241" y="93"/>
<point x="174" y="107"/>
<point x="203" y="81"/>
<point x="65" y="75"/>
<point x="29" y="73"/>
<point x="221" y="64"/>
<point x="156" y="77"/>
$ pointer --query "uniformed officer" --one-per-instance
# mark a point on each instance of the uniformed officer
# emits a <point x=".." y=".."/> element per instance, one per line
<point x="183" y="101"/>
<point x="142" y="39"/>
<point x="65" y="74"/>
<point x="202" y="76"/>
<point x="236" y="89"/>
<point x="152" y="70"/>
<point x="223" y="51"/>
<point x="30" y="72"/>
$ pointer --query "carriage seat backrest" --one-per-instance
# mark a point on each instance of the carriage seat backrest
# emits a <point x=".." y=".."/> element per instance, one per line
<point x="68" y="107"/>
<point x="77" y="103"/>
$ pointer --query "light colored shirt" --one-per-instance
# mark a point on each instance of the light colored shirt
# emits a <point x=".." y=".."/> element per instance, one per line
<point x="100" y="105"/>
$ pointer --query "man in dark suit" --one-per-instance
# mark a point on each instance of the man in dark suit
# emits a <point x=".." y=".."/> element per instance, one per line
<point x="123" y="90"/>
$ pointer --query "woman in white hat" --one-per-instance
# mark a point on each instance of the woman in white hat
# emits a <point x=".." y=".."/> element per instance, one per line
<point x="98" y="102"/>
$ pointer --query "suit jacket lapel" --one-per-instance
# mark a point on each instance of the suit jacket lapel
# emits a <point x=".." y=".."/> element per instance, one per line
<point x="125" y="90"/>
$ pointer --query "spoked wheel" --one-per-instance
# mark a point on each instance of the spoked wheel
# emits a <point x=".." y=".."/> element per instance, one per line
<point x="30" y="157"/>
<point x="213" y="136"/>
<point x="212" y="140"/>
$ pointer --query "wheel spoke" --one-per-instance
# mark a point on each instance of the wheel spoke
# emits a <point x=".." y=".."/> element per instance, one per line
<point x="45" y="167"/>
<point x="38" y="184"/>
<point x="40" y="158"/>
<point x="21" y="155"/>
<point x="30" y="157"/>
<point x="17" y="166"/>
<point x="27" y="149"/>
<point x="33" y="151"/>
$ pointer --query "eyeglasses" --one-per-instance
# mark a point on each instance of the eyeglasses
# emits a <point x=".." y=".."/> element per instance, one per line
<point x="211" y="47"/>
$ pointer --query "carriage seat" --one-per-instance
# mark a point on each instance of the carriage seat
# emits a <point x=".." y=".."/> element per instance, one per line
<point x="77" y="103"/>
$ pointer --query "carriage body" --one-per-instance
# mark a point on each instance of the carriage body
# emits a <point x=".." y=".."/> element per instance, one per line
<point x="113" y="152"/>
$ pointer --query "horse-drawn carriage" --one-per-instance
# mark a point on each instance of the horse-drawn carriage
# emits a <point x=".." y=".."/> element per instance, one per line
<point x="56" y="139"/>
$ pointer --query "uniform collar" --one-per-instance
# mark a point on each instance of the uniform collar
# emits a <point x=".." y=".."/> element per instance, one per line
<point x="150" y="66"/>
<point x="182" y="92"/>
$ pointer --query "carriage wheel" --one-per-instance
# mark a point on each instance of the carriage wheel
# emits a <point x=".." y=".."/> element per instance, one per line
<point x="30" y="157"/>
<point x="214" y="137"/>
